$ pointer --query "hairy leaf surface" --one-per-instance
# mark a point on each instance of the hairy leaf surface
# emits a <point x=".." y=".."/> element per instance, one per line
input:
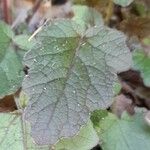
<point x="71" y="73"/>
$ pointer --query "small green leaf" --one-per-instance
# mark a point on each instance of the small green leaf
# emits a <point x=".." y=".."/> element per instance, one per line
<point x="117" y="87"/>
<point x="123" y="3"/>
<point x="97" y="115"/>
<point x="22" y="42"/>
<point x="128" y="133"/>
<point x="5" y="37"/>
<point x="141" y="62"/>
<point x="11" y="72"/>
<point x="72" y="72"/>
<point x="86" y="16"/>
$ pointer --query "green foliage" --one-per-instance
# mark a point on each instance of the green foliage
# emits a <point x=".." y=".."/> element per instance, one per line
<point x="97" y="116"/>
<point x="142" y="64"/>
<point x="125" y="133"/>
<point x="14" y="135"/>
<point x="86" y="16"/>
<point x="11" y="72"/>
<point x="5" y="38"/>
<point x="22" y="41"/>
<point x="72" y="72"/>
<point x="72" y="67"/>
<point x="117" y="88"/>
<point x="11" y="132"/>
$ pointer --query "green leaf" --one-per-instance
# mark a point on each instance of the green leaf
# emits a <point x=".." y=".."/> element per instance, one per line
<point x="123" y="3"/>
<point x="86" y="16"/>
<point x="11" y="72"/>
<point x="14" y="135"/>
<point x="128" y="133"/>
<point x="22" y="42"/>
<point x="141" y="62"/>
<point x="5" y="37"/>
<point x="71" y="74"/>
<point x="97" y="115"/>
<point x="11" y="136"/>
<point x="117" y="87"/>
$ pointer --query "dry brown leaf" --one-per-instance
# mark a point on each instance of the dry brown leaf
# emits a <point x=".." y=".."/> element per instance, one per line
<point x="7" y="104"/>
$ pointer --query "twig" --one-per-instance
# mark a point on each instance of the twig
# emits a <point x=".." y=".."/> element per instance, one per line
<point x="38" y="30"/>
<point x="35" y="33"/>
<point x="6" y="11"/>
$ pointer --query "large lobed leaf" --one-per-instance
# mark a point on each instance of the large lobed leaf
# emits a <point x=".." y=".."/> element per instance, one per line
<point x="11" y="72"/>
<point x="128" y="133"/>
<point x="71" y="74"/>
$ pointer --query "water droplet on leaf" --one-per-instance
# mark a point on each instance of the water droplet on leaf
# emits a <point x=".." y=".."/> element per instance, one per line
<point x="83" y="44"/>
<point x="34" y="60"/>
<point x="103" y="46"/>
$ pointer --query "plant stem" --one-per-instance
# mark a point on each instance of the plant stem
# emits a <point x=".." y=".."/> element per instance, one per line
<point x="6" y="11"/>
